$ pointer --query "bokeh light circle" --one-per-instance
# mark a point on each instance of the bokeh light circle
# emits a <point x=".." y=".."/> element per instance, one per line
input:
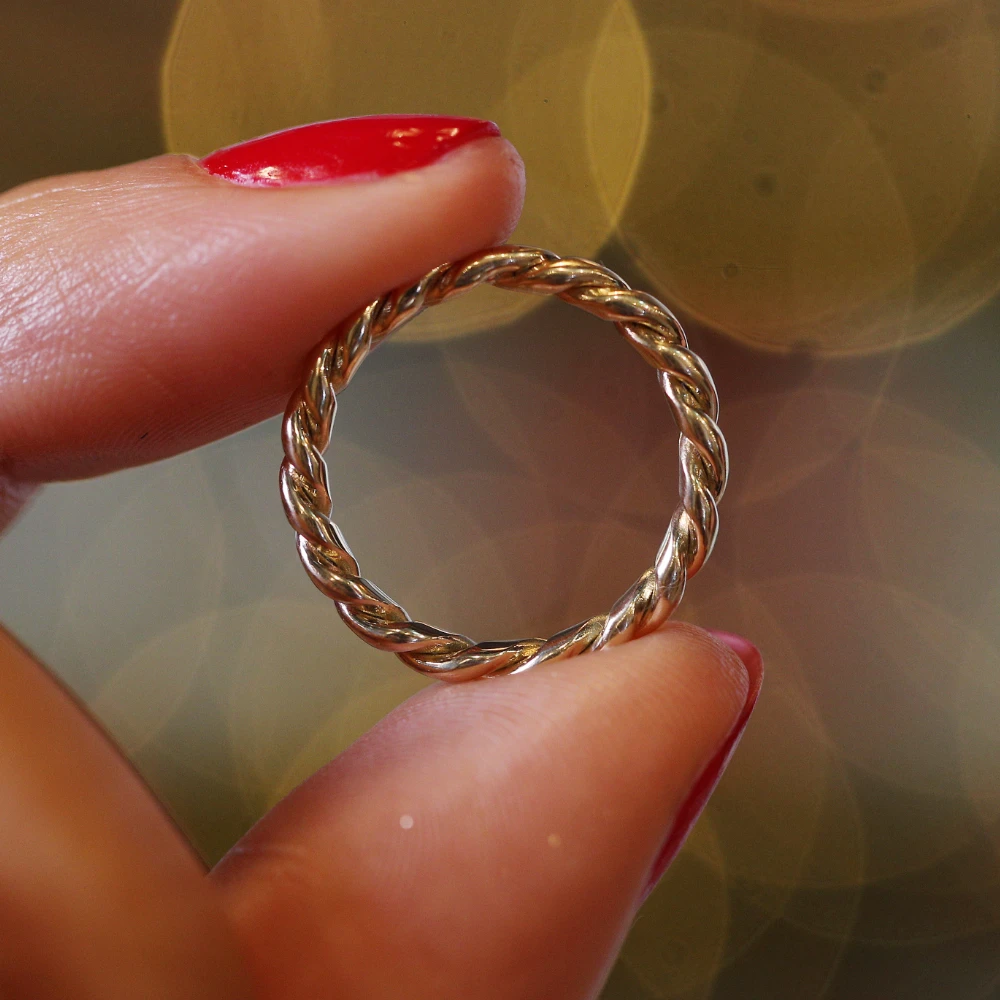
<point x="836" y="192"/>
<point x="572" y="94"/>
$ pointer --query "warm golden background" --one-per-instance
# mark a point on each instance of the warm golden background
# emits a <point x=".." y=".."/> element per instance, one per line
<point x="815" y="186"/>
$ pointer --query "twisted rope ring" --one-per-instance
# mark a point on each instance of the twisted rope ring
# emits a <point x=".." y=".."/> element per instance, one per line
<point x="651" y="329"/>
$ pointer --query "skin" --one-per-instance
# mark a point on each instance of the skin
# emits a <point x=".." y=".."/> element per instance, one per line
<point x="150" y="309"/>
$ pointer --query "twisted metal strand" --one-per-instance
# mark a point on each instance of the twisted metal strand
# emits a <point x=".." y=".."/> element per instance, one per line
<point x="651" y="329"/>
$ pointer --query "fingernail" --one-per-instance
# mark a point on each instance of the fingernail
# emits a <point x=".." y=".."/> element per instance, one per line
<point x="699" y="795"/>
<point x="357" y="148"/>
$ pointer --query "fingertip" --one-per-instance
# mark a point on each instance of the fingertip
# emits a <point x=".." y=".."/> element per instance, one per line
<point x="680" y="663"/>
<point x="748" y="654"/>
<point x="512" y="184"/>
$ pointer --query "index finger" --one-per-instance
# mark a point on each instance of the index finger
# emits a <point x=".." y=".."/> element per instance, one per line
<point x="148" y="309"/>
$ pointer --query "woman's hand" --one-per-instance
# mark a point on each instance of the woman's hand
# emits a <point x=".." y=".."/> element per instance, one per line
<point x="491" y="840"/>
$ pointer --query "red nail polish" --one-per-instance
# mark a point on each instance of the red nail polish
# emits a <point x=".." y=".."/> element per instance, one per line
<point x="358" y="148"/>
<point x="699" y="795"/>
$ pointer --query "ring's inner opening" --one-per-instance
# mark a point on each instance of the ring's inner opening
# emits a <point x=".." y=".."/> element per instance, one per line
<point x="506" y="483"/>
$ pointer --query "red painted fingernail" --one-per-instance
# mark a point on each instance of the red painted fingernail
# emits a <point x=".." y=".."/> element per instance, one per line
<point x="699" y="795"/>
<point x="358" y="148"/>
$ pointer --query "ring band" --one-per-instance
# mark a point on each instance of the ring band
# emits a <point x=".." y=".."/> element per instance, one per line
<point x="651" y="329"/>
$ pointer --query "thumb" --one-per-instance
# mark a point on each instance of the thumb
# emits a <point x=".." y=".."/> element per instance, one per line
<point x="150" y="308"/>
<point x="493" y="839"/>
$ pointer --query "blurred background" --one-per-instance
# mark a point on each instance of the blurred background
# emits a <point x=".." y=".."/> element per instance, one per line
<point x="813" y="186"/>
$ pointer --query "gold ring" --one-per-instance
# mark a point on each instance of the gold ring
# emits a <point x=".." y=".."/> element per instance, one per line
<point x="651" y="329"/>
